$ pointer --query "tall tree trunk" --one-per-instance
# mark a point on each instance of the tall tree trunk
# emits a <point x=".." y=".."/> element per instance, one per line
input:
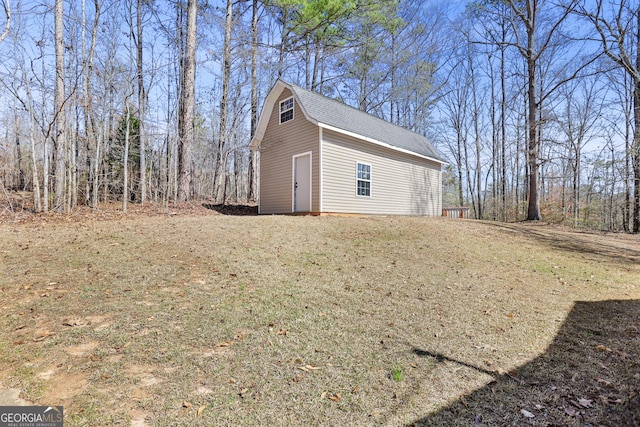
<point x="221" y="164"/>
<point x="237" y="170"/>
<point x="317" y="60"/>
<point x="141" y="106"/>
<point x="251" y="195"/>
<point x="37" y="207"/>
<point x="635" y="148"/>
<point x="539" y="40"/>
<point x="393" y="118"/>
<point x="635" y="157"/>
<point x="494" y="142"/>
<point x="283" y="40"/>
<point x="20" y="170"/>
<point x="503" y="131"/>
<point x="85" y="85"/>
<point x="459" y="167"/>
<point x="59" y="109"/>
<point x="627" y="168"/>
<point x="578" y="184"/>
<point x="72" y="187"/>
<point x="45" y="175"/>
<point x="187" y="104"/>
<point x="533" y="212"/>
<point x="307" y="62"/>
<point x="34" y="165"/>
<point x="476" y="128"/>
<point x="92" y="134"/>
<point x="125" y="158"/>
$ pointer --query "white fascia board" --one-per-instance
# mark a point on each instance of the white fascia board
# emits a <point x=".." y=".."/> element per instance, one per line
<point x="380" y="143"/>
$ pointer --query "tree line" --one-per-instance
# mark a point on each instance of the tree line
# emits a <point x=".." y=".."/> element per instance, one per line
<point x="535" y="104"/>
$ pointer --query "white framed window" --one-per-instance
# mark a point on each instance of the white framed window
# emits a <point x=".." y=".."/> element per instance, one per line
<point x="286" y="110"/>
<point x="363" y="180"/>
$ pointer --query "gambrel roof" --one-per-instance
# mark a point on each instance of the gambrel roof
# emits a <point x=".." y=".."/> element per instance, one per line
<point x="333" y="115"/>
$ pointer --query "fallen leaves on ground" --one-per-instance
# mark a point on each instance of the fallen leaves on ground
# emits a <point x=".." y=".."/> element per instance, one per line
<point x="526" y="413"/>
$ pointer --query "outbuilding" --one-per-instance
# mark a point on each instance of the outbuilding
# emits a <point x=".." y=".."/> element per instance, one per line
<point x="320" y="156"/>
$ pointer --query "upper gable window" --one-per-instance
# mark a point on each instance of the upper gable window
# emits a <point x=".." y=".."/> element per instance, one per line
<point x="286" y="110"/>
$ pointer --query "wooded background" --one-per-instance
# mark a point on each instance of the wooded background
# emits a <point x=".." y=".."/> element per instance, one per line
<point x="535" y="104"/>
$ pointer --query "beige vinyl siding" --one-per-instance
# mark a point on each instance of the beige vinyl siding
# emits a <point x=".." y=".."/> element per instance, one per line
<point x="280" y="143"/>
<point x="401" y="184"/>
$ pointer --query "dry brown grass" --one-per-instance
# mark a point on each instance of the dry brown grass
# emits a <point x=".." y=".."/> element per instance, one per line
<point x="190" y="317"/>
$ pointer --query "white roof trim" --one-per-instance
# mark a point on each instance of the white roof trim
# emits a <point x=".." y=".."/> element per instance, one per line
<point x="380" y="143"/>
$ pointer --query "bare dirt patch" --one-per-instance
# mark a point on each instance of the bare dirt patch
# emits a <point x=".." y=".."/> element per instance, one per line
<point x="82" y="349"/>
<point x="193" y="317"/>
<point x="64" y="386"/>
<point x="11" y="397"/>
<point x="143" y="375"/>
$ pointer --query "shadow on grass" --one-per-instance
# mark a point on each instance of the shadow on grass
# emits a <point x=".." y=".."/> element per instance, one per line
<point x="589" y="375"/>
<point x="237" y="210"/>
<point x="576" y="241"/>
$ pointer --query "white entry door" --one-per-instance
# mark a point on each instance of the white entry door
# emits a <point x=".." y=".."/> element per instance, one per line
<point x="302" y="183"/>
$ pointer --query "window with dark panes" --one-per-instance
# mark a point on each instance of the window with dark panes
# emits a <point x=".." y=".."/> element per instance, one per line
<point x="363" y="180"/>
<point x="286" y="110"/>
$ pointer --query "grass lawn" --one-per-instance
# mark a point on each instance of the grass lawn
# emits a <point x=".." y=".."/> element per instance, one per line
<point x="199" y="318"/>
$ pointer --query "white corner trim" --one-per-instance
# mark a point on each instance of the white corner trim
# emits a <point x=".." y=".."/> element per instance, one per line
<point x="320" y="189"/>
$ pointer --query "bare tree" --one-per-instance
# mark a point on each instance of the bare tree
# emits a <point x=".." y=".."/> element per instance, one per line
<point x="93" y="142"/>
<point x="455" y="112"/>
<point x="187" y="105"/>
<point x="618" y="29"/>
<point x="59" y="109"/>
<point x="583" y="101"/>
<point x="125" y="157"/>
<point x="251" y="196"/>
<point x="496" y="35"/>
<point x="32" y="137"/>
<point x="542" y="22"/>
<point x="141" y="103"/>
<point x="6" y="5"/>
<point x="221" y="157"/>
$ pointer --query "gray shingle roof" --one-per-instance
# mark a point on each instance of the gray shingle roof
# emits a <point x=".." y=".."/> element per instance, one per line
<point x="338" y="115"/>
